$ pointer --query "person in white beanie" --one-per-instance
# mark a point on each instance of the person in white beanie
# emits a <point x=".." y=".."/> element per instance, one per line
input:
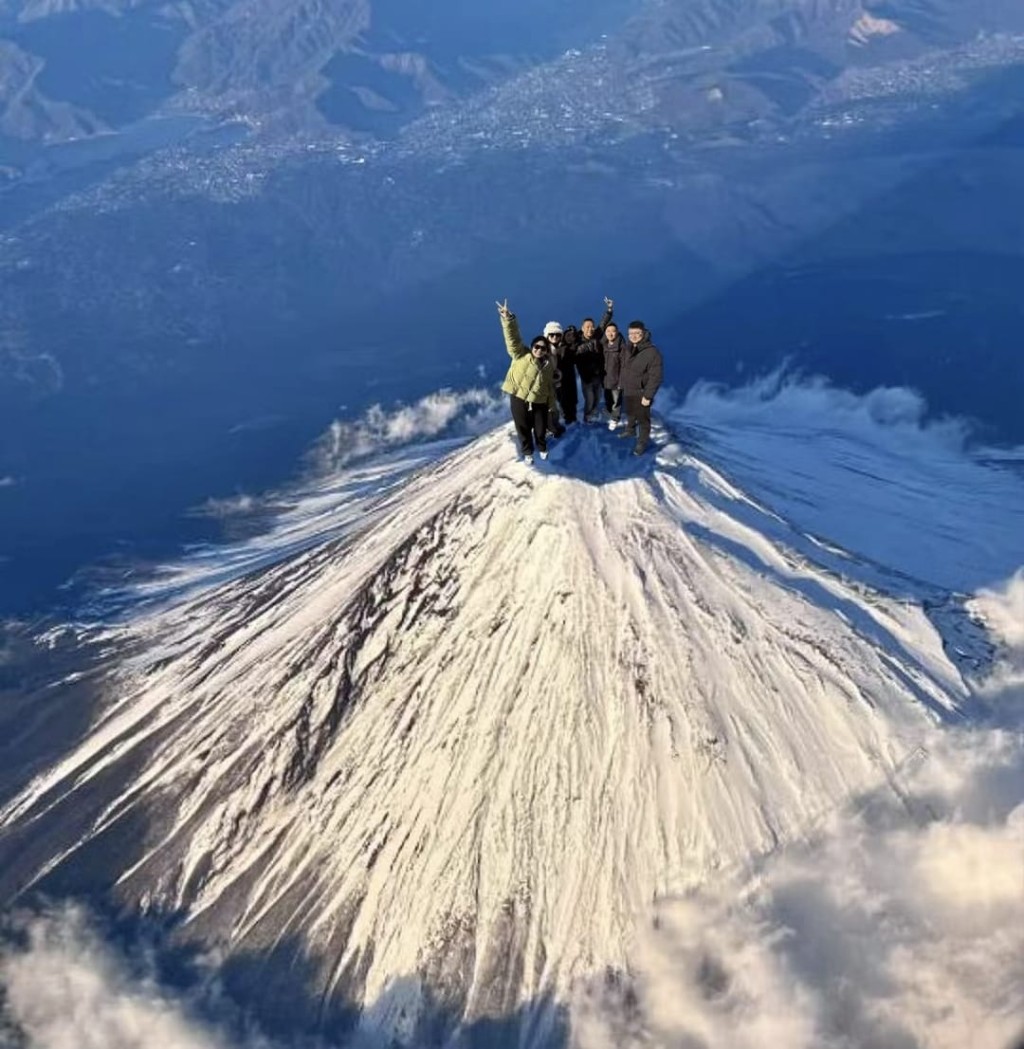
<point x="563" y="353"/>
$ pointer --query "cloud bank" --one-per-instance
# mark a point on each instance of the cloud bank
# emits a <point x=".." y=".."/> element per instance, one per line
<point x="464" y="413"/>
<point x="1001" y="608"/>
<point x="63" y="988"/>
<point x="898" y="928"/>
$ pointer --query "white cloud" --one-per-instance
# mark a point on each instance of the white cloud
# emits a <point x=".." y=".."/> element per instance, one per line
<point x="1001" y="608"/>
<point x="63" y="988"/>
<point x="447" y="412"/>
<point x="224" y="509"/>
<point x="7" y="482"/>
<point x="888" y="932"/>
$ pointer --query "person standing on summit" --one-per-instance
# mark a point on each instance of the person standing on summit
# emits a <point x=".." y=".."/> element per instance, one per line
<point x="529" y="384"/>
<point x="614" y="347"/>
<point x="563" y="352"/>
<point x="590" y="360"/>
<point x="641" y="375"/>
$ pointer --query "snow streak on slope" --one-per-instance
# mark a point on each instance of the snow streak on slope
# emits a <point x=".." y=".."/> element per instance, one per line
<point x="450" y="760"/>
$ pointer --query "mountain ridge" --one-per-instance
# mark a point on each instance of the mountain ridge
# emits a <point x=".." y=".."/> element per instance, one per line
<point x="461" y="751"/>
<point x="364" y="67"/>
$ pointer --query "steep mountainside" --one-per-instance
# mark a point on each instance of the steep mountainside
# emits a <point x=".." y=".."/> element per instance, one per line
<point x="436" y="771"/>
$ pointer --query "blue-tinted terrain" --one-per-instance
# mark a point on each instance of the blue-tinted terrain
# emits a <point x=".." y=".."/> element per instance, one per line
<point x="119" y="67"/>
<point x="460" y="28"/>
<point x="189" y="301"/>
<point x="466" y="46"/>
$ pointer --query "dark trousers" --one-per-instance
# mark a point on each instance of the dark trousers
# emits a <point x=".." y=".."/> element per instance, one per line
<point x="613" y="403"/>
<point x="568" y="398"/>
<point x="637" y="415"/>
<point x="591" y="397"/>
<point x="531" y="422"/>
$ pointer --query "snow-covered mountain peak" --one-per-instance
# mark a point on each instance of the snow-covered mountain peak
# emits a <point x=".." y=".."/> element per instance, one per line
<point x="450" y="759"/>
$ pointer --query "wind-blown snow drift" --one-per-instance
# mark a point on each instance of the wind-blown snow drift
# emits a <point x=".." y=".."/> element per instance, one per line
<point x="450" y="759"/>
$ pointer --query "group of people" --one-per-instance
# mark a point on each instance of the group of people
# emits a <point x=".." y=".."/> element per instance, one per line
<point x="545" y="378"/>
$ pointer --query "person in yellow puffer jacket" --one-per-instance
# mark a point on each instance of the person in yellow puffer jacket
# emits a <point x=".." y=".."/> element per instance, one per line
<point x="529" y="384"/>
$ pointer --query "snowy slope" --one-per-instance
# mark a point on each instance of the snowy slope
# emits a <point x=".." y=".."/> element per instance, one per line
<point x="449" y="758"/>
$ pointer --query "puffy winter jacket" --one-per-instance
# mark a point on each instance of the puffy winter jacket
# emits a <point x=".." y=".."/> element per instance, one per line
<point x="527" y="378"/>
<point x="642" y="368"/>
<point x="590" y="352"/>
<point x="614" y="355"/>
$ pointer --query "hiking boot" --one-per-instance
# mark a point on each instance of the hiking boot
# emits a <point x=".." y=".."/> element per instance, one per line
<point x="528" y="459"/>
<point x="544" y="454"/>
<point x="631" y="434"/>
<point x="613" y="424"/>
<point x="640" y="449"/>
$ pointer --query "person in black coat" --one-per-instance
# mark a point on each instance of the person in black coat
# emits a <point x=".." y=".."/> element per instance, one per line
<point x="566" y="390"/>
<point x="565" y="378"/>
<point x="613" y="346"/>
<point x="590" y="360"/>
<point x="642" y="371"/>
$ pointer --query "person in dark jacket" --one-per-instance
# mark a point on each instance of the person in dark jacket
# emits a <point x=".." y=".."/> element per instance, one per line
<point x="641" y="376"/>
<point x="590" y="360"/>
<point x="563" y="352"/>
<point x="613" y="345"/>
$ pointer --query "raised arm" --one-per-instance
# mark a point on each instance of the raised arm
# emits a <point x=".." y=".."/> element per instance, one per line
<point x="510" y="329"/>
<point x="606" y="317"/>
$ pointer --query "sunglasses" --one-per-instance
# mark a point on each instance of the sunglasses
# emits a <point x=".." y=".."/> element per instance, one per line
<point x="540" y="346"/>
<point x="555" y="336"/>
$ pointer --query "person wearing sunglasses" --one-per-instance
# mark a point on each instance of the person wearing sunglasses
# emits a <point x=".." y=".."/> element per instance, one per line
<point x="529" y="384"/>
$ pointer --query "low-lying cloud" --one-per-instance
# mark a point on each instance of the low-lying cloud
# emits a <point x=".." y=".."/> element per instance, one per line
<point x="1001" y="608"/>
<point x="455" y="413"/>
<point x="64" y="988"/>
<point x="899" y="928"/>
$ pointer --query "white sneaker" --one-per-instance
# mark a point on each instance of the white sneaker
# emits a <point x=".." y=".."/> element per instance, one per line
<point x="543" y="455"/>
<point x="528" y="459"/>
<point x="612" y="425"/>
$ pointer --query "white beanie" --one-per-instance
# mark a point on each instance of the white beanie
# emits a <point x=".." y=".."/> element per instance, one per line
<point x="553" y="328"/>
